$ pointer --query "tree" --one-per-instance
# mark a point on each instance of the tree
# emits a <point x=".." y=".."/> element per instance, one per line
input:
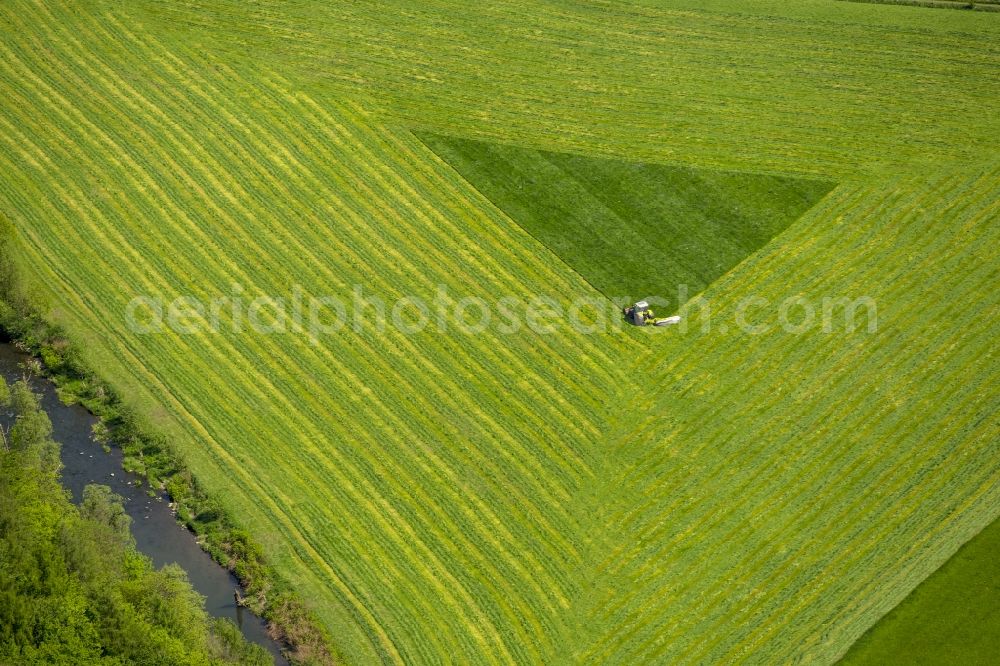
<point x="103" y="506"/>
<point x="30" y="430"/>
<point x="25" y="401"/>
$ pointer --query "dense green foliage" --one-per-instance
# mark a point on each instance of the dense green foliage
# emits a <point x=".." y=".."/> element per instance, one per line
<point x="632" y="230"/>
<point x="953" y="617"/>
<point x="630" y="496"/>
<point x="73" y="589"/>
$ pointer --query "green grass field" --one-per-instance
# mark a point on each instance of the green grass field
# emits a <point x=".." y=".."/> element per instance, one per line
<point x="953" y="617"/>
<point x="632" y="496"/>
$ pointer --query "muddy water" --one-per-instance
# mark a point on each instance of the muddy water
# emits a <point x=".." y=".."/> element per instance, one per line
<point x="156" y="532"/>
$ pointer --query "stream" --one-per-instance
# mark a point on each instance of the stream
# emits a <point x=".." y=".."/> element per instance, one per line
<point x="156" y="531"/>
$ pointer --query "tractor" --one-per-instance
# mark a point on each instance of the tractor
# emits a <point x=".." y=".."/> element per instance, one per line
<point x="640" y="314"/>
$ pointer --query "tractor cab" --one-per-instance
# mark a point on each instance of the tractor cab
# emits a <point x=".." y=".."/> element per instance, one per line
<point x="638" y="314"/>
